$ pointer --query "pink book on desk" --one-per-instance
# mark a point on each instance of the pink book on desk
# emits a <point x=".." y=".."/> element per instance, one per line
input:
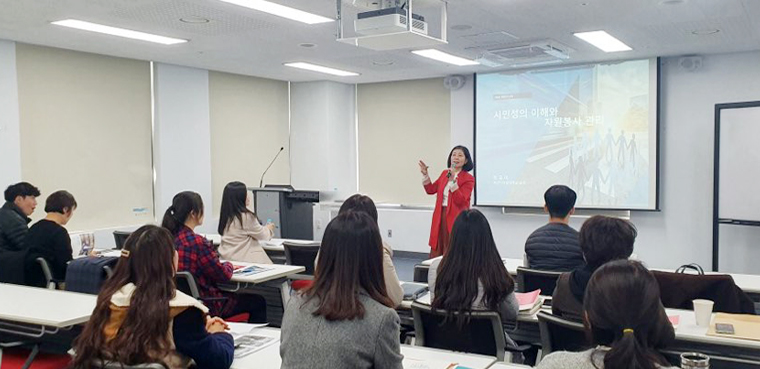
<point x="674" y="320"/>
<point x="528" y="300"/>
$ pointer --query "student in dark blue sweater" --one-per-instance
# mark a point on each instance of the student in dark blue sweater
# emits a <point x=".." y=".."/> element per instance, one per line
<point x="132" y="321"/>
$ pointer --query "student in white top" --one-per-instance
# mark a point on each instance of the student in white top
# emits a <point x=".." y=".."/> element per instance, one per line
<point x="240" y="229"/>
<point x="625" y="318"/>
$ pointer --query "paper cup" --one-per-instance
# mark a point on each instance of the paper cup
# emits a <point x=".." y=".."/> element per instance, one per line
<point x="703" y="312"/>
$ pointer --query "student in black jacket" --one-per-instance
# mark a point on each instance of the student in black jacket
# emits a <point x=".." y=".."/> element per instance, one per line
<point x="555" y="246"/>
<point x="49" y="240"/>
<point x="20" y="202"/>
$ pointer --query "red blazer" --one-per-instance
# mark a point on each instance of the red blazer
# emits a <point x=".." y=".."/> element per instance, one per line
<point x="458" y="200"/>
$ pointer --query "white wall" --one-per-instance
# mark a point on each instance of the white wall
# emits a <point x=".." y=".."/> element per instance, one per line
<point x="10" y="141"/>
<point x="182" y="148"/>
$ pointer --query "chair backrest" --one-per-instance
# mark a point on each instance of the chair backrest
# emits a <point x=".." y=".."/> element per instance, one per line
<point x="301" y="255"/>
<point x="679" y="289"/>
<point x="483" y="334"/>
<point x="120" y="237"/>
<point x="49" y="282"/>
<point x="116" y="365"/>
<point x="186" y="283"/>
<point x="532" y="279"/>
<point x="421" y="273"/>
<point x="559" y="334"/>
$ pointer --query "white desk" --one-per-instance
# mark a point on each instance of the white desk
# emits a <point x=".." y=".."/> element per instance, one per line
<point x="508" y="366"/>
<point x="414" y="357"/>
<point x="511" y="264"/>
<point x="275" y="271"/>
<point x="32" y="305"/>
<point x="274" y="244"/>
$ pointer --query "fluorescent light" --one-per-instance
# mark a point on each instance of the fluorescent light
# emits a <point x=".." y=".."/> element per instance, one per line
<point x="121" y="32"/>
<point x="281" y="11"/>
<point x="321" y="69"/>
<point x="603" y="41"/>
<point x="444" y="57"/>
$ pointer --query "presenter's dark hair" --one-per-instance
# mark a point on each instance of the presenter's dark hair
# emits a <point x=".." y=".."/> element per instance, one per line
<point x="559" y="200"/>
<point x="604" y="239"/>
<point x="22" y="189"/>
<point x="472" y="257"/>
<point x="360" y="202"/>
<point x="60" y="202"/>
<point x="350" y="260"/>
<point x="147" y="261"/>
<point x="183" y="205"/>
<point x="470" y="165"/>
<point x="233" y="205"/>
<point x="624" y="313"/>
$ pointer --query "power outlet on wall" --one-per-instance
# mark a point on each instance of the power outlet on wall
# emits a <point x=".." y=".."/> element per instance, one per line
<point x="390" y="233"/>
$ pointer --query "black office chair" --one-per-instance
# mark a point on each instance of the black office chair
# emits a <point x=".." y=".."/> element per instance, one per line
<point x="559" y="334"/>
<point x="120" y="237"/>
<point x="483" y="334"/>
<point x="301" y="255"/>
<point x="186" y="283"/>
<point x="50" y="283"/>
<point x="421" y="273"/>
<point x="532" y="279"/>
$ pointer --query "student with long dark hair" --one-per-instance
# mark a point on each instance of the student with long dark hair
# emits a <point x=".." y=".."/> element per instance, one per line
<point x="624" y="317"/>
<point x="471" y="276"/>
<point x="345" y="319"/>
<point x="602" y="239"/>
<point x="197" y="255"/>
<point x="239" y="227"/>
<point x="453" y="189"/>
<point x="365" y="204"/>
<point x="140" y="317"/>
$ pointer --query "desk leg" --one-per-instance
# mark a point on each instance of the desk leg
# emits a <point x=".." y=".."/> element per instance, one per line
<point x="31" y="357"/>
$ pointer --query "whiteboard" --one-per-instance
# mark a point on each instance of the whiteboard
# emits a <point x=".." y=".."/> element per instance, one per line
<point x="739" y="164"/>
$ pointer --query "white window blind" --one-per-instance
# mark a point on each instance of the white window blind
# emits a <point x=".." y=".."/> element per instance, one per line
<point x="399" y="124"/>
<point x="86" y="127"/>
<point x="249" y="123"/>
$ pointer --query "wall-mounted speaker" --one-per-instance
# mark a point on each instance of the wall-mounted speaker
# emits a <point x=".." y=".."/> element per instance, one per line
<point x="454" y="83"/>
<point x="690" y="63"/>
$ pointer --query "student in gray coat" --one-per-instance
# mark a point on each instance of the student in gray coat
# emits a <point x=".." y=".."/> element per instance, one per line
<point x="345" y="319"/>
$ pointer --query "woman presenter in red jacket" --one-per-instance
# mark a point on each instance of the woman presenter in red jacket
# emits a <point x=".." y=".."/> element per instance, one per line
<point x="453" y="189"/>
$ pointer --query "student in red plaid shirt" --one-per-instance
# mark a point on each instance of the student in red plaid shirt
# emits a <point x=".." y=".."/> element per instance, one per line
<point x="197" y="255"/>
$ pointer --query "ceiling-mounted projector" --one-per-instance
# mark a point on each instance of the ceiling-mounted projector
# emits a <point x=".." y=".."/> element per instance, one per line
<point x="389" y="20"/>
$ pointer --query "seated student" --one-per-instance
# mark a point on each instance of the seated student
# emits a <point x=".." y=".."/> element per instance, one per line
<point x="20" y="202"/>
<point x="471" y="275"/>
<point x="239" y="227"/>
<point x="48" y="239"/>
<point x="197" y="255"/>
<point x="392" y="285"/>
<point x="140" y="317"/>
<point x="345" y="319"/>
<point x="625" y="320"/>
<point x="602" y="239"/>
<point x="555" y="246"/>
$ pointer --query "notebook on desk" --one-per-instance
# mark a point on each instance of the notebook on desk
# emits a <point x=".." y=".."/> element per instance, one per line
<point x="249" y="270"/>
<point x="746" y="327"/>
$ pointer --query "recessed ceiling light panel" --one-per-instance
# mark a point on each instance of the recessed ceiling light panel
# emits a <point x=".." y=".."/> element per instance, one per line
<point x="603" y="40"/>
<point x="321" y="69"/>
<point x="121" y="32"/>
<point x="281" y="11"/>
<point x="444" y="57"/>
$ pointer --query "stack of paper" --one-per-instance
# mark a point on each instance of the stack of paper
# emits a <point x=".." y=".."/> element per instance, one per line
<point x="530" y="302"/>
